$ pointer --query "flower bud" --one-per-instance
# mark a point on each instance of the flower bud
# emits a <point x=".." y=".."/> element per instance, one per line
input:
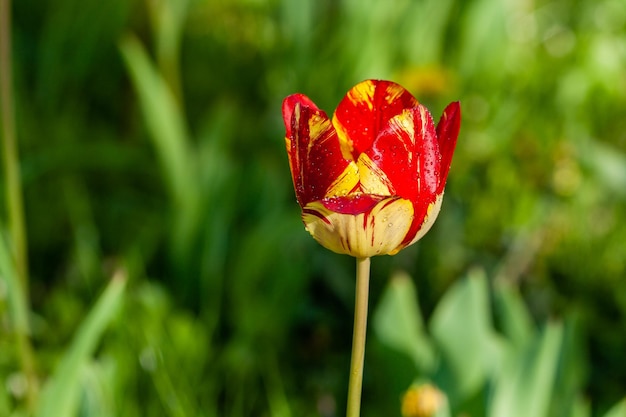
<point x="422" y="401"/>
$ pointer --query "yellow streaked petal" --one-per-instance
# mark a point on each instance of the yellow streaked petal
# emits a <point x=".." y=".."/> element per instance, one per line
<point x="344" y="183"/>
<point x="347" y="147"/>
<point x="402" y="125"/>
<point x="425" y="122"/>
<point x="318" y="126"/>
<point x="379" y="231"/>
<point x="393" y="92"/>
<point x="373" y="179"/>
<point x="363" y="93"/>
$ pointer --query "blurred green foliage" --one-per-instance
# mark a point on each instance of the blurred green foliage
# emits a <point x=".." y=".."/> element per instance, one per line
<point x="486" y="367"/>
<point x="151" y="142"/>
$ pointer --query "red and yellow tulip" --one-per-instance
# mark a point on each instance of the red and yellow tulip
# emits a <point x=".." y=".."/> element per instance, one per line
<point x="370" y="180"/>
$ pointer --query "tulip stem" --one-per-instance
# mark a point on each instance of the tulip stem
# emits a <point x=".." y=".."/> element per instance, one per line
<point x="358" y="337"/>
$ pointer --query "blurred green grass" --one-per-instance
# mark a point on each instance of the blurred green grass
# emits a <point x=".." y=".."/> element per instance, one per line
<point x="151" y="137"/>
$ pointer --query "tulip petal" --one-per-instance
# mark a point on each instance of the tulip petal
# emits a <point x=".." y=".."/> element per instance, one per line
<point x="424" y="220"/>
<point x="407" y="152"/>
<point x="317" y="165"/>
<point x="377" y="231"/>
<point x="289" y="105"/>
<point x="448" y="132"/>
<point x="365" y="110"/>
<point x="352" y="204"/>
<point x="373" y="179"/>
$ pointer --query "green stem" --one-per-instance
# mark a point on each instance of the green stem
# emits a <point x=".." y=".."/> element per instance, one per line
<point x="358" y="337"/>
<point x="15" y="206"/>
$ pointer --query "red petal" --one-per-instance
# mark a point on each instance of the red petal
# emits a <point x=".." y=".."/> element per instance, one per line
<point x="289" y="104"/>
<point x="314" y="153"/>
<point x="366" y="109"/>
<point x="447" y="134"/>
<point x="423" y="218"/>
<point x="354" y="204"/>
<point x="406" y="150"/>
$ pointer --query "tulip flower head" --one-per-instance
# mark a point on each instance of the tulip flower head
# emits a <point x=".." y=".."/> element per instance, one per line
<point x="370" y="180"/>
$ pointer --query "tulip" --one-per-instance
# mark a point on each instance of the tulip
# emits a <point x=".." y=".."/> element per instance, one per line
<point x="370" y="180"/>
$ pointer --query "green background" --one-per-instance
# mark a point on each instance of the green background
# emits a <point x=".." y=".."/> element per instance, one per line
<point x="151" y="142"/>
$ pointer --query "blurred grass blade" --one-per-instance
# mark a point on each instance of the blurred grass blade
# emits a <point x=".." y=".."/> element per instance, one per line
<point x="512" y="314"/>
<point x="461" y="326"/>
<point x="398" y="322"/>
<point x="164" y="120"/>
<point x="61" y="393"/>
<point x="618" y="410"/>
<point x="18" y="306"/>
<point x="168" y="19"/>
<point x="429" y="20"/>
<point x="526" y="381"/>
<point x="581" y="407"/>
<point x="19" y="312"/>
<point x="276" y="395"/>
<point x="483" y="38"/>
<point x="96" y="398"/>
<point x="10" y="156"/>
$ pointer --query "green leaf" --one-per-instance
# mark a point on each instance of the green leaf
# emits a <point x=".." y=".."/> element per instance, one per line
<point x="525" y="382"/>
<point x="461" y="326"/>
<point x="167" y="126"/>
<point x="398" y="322"/>
<point x="164" y="119"/>
<point x="572" y="374"/>
<point x="168" y="20"/>
<point x="18" y="305"/>
<point x="516" y="322"/>
<point x="580" y="407"/>
<point x="96" y="398"/>
<point x="60" y="395"/>
<point x="618" y="410"/>
<point x="166" y="123"/>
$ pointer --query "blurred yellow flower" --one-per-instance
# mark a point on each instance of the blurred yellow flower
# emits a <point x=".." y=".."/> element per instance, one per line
<point x="423" y="400"/>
